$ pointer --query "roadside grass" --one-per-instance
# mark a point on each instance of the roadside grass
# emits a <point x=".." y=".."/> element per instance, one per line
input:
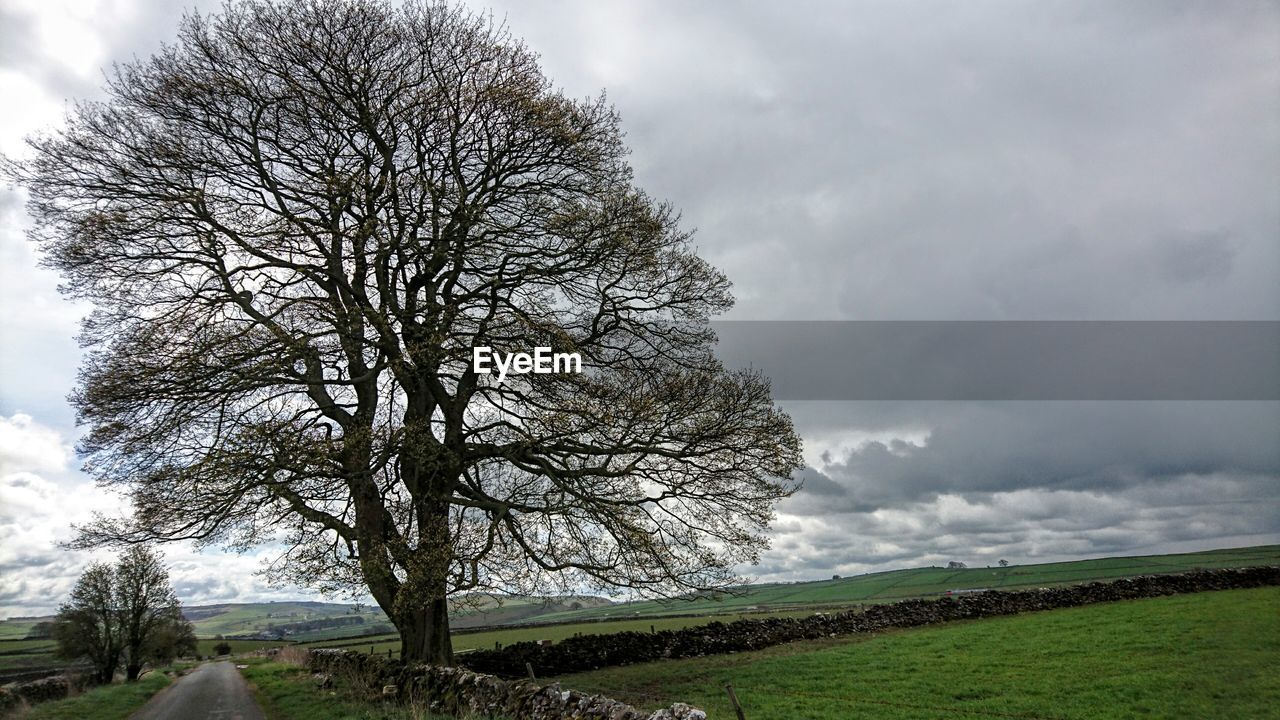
<point x="1204" y="655"/>
<point x="287" y="691"/>
<point x="106" y="702"/>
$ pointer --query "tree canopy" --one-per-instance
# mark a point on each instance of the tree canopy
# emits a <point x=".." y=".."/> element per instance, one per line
<point x="298" y="221"/>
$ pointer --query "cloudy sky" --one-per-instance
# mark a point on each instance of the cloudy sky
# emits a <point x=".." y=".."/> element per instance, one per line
<point x="840" y="161"/>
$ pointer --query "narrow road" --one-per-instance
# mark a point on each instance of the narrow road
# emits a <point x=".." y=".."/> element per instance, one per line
<point x="214" y="691"/>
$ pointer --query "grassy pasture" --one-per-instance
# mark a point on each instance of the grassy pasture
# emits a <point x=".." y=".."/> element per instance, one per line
<point x="516" y="633"/>
<point x="16" y="629"/>
<point x="21" y="655"/>
<point x="926" y="582"/>
<point x="21" y="646"/>
<point x="1202" y="655"/>
<point x="248" y="618"/>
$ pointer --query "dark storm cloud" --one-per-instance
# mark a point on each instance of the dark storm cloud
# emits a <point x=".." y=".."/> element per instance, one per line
<point x="960" y="161"/>
<point x="1008" y="360"/>
<point x="971" y="448"/>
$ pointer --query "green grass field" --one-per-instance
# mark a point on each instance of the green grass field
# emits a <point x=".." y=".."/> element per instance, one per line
<point x="804" y="598"/>
<point x="927" y="582"/>
<point x="514" y="634"/>
<point x="1207" y="655"/>
<point x="17" y="655"/>
<point x="22" y="655"/>
<point x="16" y="629"/>
<point x="248" y="618"/>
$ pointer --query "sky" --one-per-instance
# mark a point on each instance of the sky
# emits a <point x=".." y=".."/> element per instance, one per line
<point x="839" y="161"/>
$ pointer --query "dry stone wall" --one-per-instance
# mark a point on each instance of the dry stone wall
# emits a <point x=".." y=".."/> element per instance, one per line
<point x="38" y="691"/>
<point x="589" y="652"/>
<point x="463" y="693"/>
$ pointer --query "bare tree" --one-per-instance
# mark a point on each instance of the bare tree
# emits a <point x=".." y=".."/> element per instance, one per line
<point x="298" y="222"/>
<point x="126" y="613"/>
<point x="87" y="625"/>
<point x="152" y="627"/>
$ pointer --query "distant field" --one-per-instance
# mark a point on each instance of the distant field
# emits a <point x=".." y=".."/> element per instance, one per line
<point x="804" y="598"/>
<point x="1202" y="655"/>
<point x="22" y="655"/>
<point x="516" y="633"/>
<point x="205" y="646"/>
<point x="594" y="615"/>
<point x="250" y="618"/>
<point x="929" y="582"/>
<point x="15" y="629"/>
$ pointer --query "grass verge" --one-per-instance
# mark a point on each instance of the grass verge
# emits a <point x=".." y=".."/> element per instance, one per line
<point x="1203" y="655"/>
<point x="286" y="691"/>
<point x="106" y="702"/>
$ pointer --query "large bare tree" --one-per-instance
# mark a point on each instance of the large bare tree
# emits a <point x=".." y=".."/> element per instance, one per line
<point x="296" y="224"/>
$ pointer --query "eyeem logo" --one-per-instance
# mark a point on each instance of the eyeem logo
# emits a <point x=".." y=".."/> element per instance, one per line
<point x="541" y="362"/>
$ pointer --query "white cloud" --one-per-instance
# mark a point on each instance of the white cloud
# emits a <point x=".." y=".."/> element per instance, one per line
<point x="1191" y="512"/>
<point x="26" y="445"/>
<point x="41" y="497"/>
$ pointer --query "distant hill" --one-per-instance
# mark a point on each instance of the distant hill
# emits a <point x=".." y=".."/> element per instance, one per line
<point x="306" y="620"/>
<point x="323" y="621"/>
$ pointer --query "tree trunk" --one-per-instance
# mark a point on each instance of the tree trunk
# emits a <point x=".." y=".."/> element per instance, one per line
<point x="424" y="633"/>
<point x="422" y="605"/>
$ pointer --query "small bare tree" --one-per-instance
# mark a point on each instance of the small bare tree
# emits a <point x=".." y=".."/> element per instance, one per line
<point x="298" y="222"/>
<point x="88" y="625"/>
<point x="127" y="613"/>
<point x="152" y="627"/>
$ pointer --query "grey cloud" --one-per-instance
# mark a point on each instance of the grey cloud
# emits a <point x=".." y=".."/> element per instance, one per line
<point x="1192" y="514"/>
<point x="1198" y="257"/>
<point x="902" y="161"/>
<point x="208" y="589"/>
<point x="990" y="447"/>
